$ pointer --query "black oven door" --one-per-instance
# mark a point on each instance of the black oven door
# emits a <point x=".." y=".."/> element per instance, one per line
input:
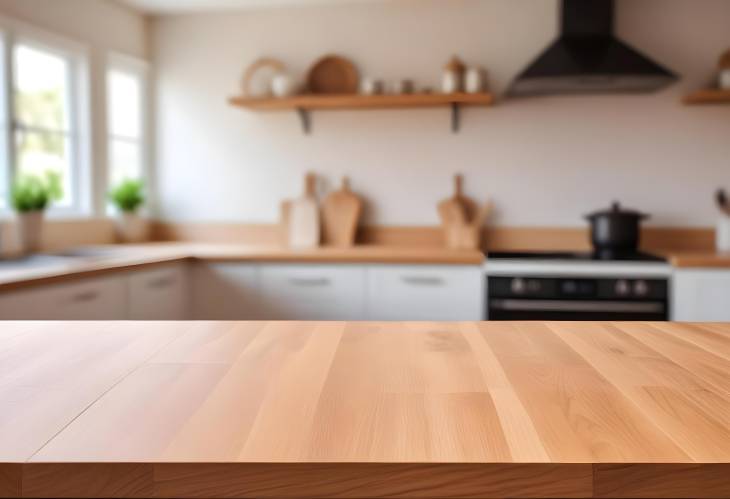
<point x="576" y="298"/>
<point x="508" y="309"/>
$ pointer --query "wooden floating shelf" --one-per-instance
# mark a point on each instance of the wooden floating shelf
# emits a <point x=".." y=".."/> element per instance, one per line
<point x="305" y="103"/>
<point x="708" y="96"/>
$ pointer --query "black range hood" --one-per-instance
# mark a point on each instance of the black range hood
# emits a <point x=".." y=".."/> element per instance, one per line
<point x="587" y="58"/>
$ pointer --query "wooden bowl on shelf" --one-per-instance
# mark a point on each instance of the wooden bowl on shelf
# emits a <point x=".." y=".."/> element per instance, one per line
<point x="333" y="74"/>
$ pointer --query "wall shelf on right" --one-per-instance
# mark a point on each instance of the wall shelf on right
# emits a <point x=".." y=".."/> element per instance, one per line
<point x="708" y="96"/>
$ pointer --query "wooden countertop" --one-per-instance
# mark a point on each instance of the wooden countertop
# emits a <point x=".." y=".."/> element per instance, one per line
<point x="700" y="259"/>
<point x="352" y="410"/>
<point x="130" y="256"/>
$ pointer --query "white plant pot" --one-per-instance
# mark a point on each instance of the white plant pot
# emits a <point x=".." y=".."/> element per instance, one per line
<point x="131" y="228"/>
<point x="30" y="231"/>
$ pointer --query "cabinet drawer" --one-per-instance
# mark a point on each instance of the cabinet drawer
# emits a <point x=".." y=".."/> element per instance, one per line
<point x="313" y="292"/>
<point x="158" y="293"/>
<point x="425" y="292"/>
<point x="701" y="295"/>
<point x="100" y="298"/>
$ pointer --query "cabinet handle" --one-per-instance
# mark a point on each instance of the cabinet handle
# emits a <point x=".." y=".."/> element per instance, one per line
<point x="423" y="280"/>
<point x="162" y="282"/>
<point x="309" y="281"/>
<point x="85" y="296"/>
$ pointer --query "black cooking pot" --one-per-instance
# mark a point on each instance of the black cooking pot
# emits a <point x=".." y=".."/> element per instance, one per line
<point x="615" y="229"/>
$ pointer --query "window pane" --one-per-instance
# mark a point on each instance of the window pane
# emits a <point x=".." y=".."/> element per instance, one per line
<point x="41" y="88"/>
<point x="38" y="152"/>
<point x="125" y="104"/>
<point x="125" y="160"/>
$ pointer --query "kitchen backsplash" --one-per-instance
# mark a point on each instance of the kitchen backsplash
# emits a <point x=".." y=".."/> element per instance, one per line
<point x="544" y="161"/>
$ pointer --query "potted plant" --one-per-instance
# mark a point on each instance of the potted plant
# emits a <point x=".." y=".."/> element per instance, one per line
<point x="30" y="195"/>
<point x="128" y="196"/>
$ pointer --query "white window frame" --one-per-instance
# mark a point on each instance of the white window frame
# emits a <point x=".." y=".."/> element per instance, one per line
<point x="140" y="69"/>
<point x="14" y="33"/>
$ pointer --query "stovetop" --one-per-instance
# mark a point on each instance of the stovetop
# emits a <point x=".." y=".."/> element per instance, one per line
<point x="633" y="256"/>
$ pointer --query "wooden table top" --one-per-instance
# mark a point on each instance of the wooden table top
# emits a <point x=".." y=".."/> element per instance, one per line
<point x="335" y="409"/>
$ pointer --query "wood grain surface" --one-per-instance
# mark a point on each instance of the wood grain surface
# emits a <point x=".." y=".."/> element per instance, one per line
<point x="364" y="410"/>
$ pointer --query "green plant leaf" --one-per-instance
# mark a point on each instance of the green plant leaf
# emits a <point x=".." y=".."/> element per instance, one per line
<point x="128" y="195"/>
<point x="35" y="192"/>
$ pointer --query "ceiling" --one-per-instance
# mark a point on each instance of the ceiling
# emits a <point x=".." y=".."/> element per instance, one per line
<point x="182" y="6"/>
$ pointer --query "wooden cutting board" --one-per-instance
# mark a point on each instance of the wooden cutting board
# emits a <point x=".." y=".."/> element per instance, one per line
<point x="458" y="209"/>
<point x="302" y="217"/>
<point x="341" y="212"/>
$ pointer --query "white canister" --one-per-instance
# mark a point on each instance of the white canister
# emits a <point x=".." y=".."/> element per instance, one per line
<point x="723" y="79"/>
<point x="283" y="85"/>
<point x="371" y="86"/>
<point x="722" y="233"/>
<point x="450" y="82"/>
<point x="474" y="80"/>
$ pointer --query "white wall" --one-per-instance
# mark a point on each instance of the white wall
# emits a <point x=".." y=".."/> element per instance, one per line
<point x="545" y="161"/>
<point x="103" y="26"/>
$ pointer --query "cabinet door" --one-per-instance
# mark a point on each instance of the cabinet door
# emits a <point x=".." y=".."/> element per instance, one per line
<point x="225" y="291"/>
<point x="159" y="293"/>
<point x="100" y="298"/>
<point x="425" y="292"/>
<point x="313" y="292"/>
<point x="701" y="295"/>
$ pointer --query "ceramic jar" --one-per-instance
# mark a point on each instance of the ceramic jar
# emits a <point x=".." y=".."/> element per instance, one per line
<point x="724" y="79"/>
<point x="370" y="86"/>
<point x="452" y="80"/>
<point x="722" y="234"/>
<point x="283" y="85"/>
<point x="474" y="80"/>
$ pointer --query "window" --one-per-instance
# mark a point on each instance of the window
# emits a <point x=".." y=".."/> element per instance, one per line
<point x="126" y="89"/>
<point x="45" y="122"/>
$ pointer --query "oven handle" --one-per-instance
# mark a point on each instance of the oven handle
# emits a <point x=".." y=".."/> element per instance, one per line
<point x="576" y="306"/>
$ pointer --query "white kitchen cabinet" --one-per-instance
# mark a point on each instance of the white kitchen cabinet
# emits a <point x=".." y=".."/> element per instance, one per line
<point x="425" y="292"/>
<point x="225" y="291"/>
<point x="159" y="293"/>
<point x="701" y="295"/>
<point x="98" y="298"/>
<point x="312" y="292"/>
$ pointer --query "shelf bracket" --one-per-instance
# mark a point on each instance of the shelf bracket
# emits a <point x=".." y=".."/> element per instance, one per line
<point x="305" y="120"/>
<point x="455" y="117"/>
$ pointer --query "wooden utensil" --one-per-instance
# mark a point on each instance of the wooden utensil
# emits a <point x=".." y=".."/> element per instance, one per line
<point x="303" y="217"/>
<point x="333" y="74"/>
<point x="462" y="219"/>
<point x="468" y="235"/>
<point x="458" y="209"/>
<point x="341" y="212"/>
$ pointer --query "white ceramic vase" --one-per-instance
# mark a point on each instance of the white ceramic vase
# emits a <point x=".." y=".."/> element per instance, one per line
<point x="30" y="231"/>
<point x="131" y="228"/>
<point x="450" y="82"/>
<point x="474" y="80"/>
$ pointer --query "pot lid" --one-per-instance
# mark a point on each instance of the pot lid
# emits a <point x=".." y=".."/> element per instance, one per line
<point x="617" y="210"/>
